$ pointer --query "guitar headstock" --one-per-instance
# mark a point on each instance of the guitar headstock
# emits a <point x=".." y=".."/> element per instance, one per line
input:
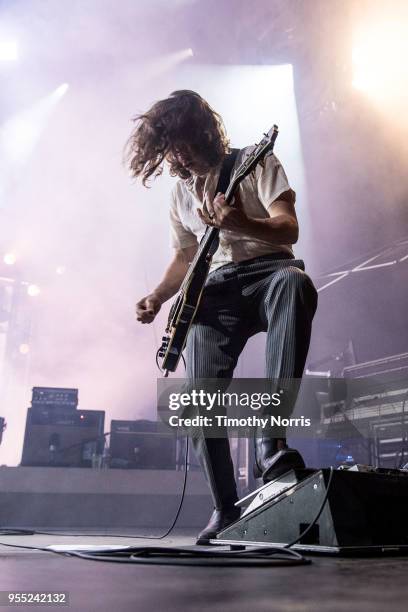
<point x="257" y="155"/>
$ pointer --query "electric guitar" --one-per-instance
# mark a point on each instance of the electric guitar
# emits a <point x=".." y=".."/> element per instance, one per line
<point x="184" y="307"/>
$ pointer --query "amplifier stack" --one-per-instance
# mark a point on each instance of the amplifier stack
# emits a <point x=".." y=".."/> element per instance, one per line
<point x="58" y="434"/>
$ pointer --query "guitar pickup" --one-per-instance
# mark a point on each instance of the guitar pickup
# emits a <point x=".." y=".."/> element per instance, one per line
<point x="186" y="314"/>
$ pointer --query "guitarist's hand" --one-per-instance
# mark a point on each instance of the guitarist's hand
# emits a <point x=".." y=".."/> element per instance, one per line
<point x="223" y="215"/>
<point x="147" y="308"/>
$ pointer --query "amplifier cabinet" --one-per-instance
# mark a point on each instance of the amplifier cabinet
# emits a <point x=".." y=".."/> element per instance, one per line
<point x="140" y="444"/>
<point x="62" y="437"/>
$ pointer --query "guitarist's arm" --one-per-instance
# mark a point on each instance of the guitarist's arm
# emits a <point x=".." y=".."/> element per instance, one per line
<point x="148" y="307"/>
<point x="280" y="228"/>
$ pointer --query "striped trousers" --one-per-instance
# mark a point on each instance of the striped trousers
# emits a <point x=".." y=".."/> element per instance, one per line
<point x="269" y="294"/>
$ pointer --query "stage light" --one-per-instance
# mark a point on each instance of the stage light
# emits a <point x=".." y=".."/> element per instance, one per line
<point x="33" y="290"/>
<point x="61" y="90"/>
<point x="9" y="259"/>
<point x="21" y="133"/>
<point x="24" y="349"/>
<point x="379" y="58"/>
<point x="165" y="63"/>
<point x="183" y="54"/>
<point x="8" y="50"/>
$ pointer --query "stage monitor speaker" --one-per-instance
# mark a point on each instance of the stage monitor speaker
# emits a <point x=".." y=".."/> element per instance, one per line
<point x="362" y="512"/>
<point x="139" y="445"/>
<point x="62" y="437"/>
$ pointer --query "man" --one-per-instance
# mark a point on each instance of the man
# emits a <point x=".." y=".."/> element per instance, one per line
<point x="254" y="285"/>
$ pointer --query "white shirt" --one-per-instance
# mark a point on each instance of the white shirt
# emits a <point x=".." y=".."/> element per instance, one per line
<point x="258" y="192"/>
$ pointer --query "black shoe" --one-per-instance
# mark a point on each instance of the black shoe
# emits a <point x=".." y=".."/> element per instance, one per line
<point x="218" y="521"/>
<point x="279" y="463"/>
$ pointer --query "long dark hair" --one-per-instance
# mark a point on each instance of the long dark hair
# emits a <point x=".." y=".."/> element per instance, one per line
<point x="183" y="121"/>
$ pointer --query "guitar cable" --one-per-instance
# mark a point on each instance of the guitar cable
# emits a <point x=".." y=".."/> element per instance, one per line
<point x="24" y="531"/>
<point x="166" y="372"/>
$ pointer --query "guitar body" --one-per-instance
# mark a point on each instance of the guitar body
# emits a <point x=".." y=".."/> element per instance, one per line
<point x="181" y="317"/>
<point x="185" y="306"/>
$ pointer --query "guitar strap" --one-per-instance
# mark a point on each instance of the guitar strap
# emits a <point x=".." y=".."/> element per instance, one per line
<point x="225" y="173"/>
<point x="222" y="186"/>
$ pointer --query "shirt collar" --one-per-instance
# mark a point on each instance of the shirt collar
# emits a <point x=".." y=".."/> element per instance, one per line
<point x="203" y="187"/>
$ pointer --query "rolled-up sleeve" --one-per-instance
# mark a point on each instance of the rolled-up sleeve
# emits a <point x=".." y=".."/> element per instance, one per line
<point x="272" y="181"/>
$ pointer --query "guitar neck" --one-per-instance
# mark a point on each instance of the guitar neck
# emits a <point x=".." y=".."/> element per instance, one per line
<point x="209" y="240"/>
<point x="232" y="187"/>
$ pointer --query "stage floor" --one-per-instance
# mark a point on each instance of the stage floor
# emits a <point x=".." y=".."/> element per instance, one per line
<point x="329" y="584"/>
